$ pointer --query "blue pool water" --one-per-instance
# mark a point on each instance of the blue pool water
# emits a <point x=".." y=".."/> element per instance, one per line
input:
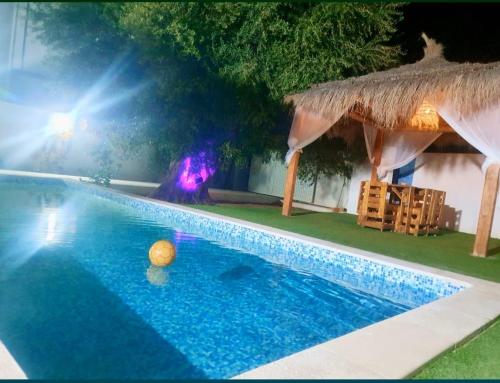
<point x="79" y="299"/>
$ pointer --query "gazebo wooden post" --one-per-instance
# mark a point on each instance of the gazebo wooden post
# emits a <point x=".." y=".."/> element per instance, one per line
<point x="377" y="154"/>
<point x="487" y="210"/>
<point x="291" y="177"/>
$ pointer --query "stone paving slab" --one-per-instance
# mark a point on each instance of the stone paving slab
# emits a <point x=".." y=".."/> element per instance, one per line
<point x="9" y="369"/>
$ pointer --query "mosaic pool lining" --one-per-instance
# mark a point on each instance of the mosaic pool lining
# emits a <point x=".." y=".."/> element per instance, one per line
<point x="397" y="283"/>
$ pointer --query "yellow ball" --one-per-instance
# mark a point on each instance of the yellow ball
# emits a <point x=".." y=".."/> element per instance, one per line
<point x="162" y="253"/>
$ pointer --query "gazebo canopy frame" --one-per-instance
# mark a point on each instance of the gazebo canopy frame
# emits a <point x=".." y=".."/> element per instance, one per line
<point x="401" y="100"/>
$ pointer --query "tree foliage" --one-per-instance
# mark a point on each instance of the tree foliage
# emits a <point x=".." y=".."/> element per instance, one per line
<point x="218" y="72"/>
<point x="285" y="47"/>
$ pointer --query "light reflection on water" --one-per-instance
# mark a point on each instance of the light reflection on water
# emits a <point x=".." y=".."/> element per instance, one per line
<point x="157" y="276"/>
<point x="52" y="221"/>
<point x="58" y="225"/>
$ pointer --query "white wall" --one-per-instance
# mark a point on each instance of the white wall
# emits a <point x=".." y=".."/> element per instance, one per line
<point x="25" y="146"/>
<point x="17" y="49"/>
<point x="269" y="178"/>
<point x="6" y="11"/>
<point x="360" y="173"/>
<point x="461" y="177"/>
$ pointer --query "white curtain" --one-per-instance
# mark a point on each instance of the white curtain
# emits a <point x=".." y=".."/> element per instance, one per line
<point x="481" y="129"/>
<point x="306" y="128"/>
<point x="399" y="148"/>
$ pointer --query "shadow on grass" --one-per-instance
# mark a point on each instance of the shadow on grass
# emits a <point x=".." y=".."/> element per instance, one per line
<point x="58" y="321"/>
<point x="303" y="212"/>
<point x="442" y="233"/>
<point x="493" y="252"/>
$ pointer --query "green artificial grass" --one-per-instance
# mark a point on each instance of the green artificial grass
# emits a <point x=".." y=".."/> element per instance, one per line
<point x="479" y="358"/>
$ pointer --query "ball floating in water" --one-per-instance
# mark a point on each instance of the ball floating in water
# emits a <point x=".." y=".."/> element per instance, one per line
<point x="162" y="253"/>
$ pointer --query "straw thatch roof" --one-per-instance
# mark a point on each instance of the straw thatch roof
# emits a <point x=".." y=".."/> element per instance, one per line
<point x="391" y="98"/>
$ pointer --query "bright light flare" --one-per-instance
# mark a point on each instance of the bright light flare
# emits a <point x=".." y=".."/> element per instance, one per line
<point x="57" y="222"/>
<point x="66" y="126"/>
<point x="56" y="225"/>
<point x="62" y="125"/>
<point x="51" y="226"/>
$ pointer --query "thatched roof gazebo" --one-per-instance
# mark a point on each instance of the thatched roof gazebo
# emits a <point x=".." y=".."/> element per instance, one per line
<point x="404" y="110"/>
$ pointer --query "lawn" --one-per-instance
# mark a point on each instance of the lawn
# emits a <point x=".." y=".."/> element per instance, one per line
<point x="448" y="251"/>
<point x="477" y="359"/>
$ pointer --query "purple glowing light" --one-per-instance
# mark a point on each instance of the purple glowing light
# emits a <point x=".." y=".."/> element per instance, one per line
<point x="180" y="237"/>
<point x="194" y="171"/>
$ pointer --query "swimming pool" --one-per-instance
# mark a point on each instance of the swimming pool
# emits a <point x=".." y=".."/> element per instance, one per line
<point x="78" y="298"/>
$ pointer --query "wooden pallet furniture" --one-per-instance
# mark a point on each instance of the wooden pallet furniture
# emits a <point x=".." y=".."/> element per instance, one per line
<point x="401" y="195"/>
<point x="374" y="208"/>
<point x="436" y="211"/>
<point x="421" y="211"/>
<point x="413" y="215"/>
<point x="401" y="208"/>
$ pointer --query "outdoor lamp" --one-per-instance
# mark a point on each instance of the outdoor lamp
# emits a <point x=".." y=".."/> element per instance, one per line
<point x="61" y="124"/>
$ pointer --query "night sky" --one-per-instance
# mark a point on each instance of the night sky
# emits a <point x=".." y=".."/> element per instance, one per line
<point x="468" y="31"/>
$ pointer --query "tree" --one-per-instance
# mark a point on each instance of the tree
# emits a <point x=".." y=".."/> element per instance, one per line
<point x="268" y="50"/>
<point x="283" y="46"/>
<point x="219" y="71"/>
